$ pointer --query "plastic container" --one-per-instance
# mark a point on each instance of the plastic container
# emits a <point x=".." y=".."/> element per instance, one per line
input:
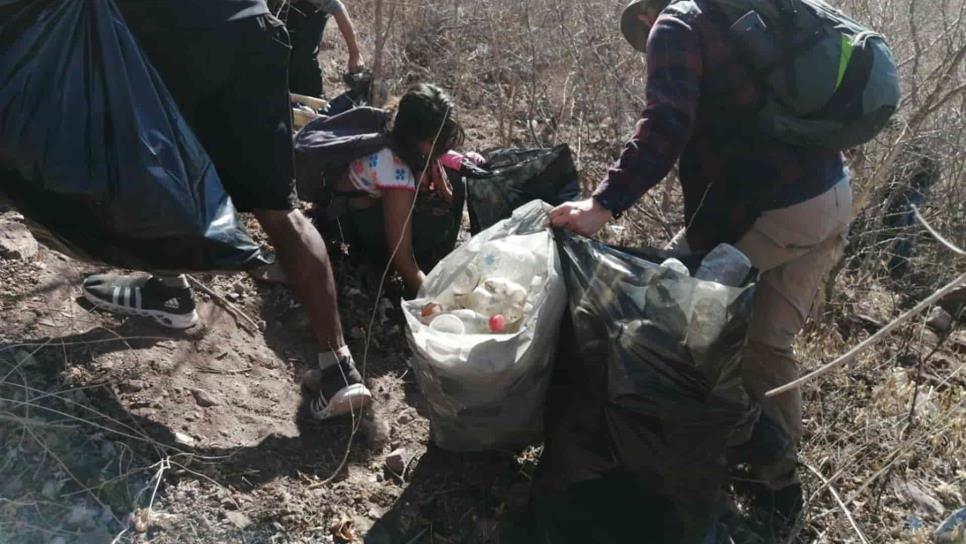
<point x="726" y="265"/>
<point x="509" y="259"/>
<point x="676" y="266"/>
<point x="473" y="322"/>
<point x="448" y="323"/>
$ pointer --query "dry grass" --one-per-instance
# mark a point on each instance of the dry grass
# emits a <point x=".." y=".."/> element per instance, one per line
<point x="886" y="433"/>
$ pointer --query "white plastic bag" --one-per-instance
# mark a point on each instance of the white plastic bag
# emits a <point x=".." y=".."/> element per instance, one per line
<point x="486" y="391"/>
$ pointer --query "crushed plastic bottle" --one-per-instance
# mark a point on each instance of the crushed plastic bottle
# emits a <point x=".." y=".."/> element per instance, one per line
<point x="499" y="296"/>
<point x="725" y="264"/>
<point x="707" y="315"/>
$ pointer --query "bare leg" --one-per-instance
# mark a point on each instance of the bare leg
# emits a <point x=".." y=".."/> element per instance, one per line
<point x="302" y="254"/>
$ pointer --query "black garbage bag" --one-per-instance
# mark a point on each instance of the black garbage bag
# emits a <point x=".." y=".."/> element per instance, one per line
<point x="513" y="177"/>
<point x="94" y="152"/>
<point x="647" y="395"/>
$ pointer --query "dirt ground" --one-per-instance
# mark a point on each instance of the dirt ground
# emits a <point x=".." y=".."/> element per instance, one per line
<point x="219" y="411"/>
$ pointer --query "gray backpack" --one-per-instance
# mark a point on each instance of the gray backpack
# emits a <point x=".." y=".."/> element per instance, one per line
<point x="830" y="82"/>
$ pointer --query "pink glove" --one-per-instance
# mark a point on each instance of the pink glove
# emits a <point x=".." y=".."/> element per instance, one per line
<point x="452" y="160"/>
<point x="477" y="159"/>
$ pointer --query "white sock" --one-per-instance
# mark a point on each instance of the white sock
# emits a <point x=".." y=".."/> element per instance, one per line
<point x="179" y="281"/>
<point x="330" y="358"/>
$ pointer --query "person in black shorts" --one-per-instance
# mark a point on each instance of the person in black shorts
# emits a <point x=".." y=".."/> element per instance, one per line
<point x="225" y="62"/>
<point x="306" y="20"/>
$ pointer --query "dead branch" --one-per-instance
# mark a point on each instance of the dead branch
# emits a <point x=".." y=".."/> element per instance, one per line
<point x="870" y="341"/>
<point x="225" y="302"/>
<point x="838" y="499"/>
<point x="952" y="247"/>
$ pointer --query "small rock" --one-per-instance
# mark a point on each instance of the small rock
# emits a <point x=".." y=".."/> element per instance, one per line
<point x="81" y="517"/>
<point x="203" y="398"/>
<point x="239" y="288"/>
<point x="939" y="320"/>
<point x="376" y="432"/>
<point x="16" y="242"/>
<point x="375" y="512"/>
<point x="233" y="296"/>
<point x="183" y="439"/>
<point x="133" y="386"/>
<point x="915" y="493"/>
<point x="145" y="519"/>
<point x="953" y="530"/>
<point x="396" y="461"/>
<point x="238" y="519"/>
<point x="405" y="417"/>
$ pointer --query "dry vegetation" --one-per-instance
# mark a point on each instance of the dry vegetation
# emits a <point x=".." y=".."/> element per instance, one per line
<point x="886" y="437"/>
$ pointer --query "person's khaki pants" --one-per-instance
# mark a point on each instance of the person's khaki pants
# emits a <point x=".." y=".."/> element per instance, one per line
<point x="793" y="248"/>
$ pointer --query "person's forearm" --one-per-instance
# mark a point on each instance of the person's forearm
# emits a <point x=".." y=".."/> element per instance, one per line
<point x="405" y="265"/>
<point x="674" y="66"/>
<point x="348" y="32"/>
<point x="396" y="207"/>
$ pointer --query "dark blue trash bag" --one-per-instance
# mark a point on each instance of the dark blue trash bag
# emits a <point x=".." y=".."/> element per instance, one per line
<point x="94" y="152"/>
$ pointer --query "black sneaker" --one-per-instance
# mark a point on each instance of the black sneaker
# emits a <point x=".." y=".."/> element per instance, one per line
<point x="337" y="390"/>
<point x="172" y="307"/>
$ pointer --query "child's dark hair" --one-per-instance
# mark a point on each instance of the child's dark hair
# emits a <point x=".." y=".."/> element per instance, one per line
<point x="424" y="114"/>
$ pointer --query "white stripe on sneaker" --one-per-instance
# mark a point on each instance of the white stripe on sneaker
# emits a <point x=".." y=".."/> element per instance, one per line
<point x="116" y="295"/>
<point x="137" y="298"/>
<point x="127" y="297"/>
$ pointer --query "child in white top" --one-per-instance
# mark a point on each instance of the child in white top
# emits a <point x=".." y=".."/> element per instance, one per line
<point x="423" y="132"/>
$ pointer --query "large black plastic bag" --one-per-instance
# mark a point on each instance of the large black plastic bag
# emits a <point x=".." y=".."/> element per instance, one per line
<point x="514" y="177"/>
<point x="647" y="396"/>
<point x="94" y="152"/>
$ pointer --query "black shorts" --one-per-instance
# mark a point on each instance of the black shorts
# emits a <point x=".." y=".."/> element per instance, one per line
<point x="231" y="83"/>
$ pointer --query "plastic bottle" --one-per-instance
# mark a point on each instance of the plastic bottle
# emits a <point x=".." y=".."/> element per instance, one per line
<point x="504" y="259"/>
<point x="462" y="321"/>
<point x="466" y="279"/>
<point x="473" y="322"/>
<point x="676" y="266"/>
<point x="725" y="264"/>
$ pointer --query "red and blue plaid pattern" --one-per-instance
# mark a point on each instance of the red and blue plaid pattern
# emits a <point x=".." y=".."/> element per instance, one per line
<point x="701" y="104"/>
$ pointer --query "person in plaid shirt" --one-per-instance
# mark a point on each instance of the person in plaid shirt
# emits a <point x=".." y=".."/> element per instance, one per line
<point x="786" y="208"/>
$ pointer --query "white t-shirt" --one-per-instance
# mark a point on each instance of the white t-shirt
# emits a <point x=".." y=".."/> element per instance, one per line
<point x="380" y="171"/>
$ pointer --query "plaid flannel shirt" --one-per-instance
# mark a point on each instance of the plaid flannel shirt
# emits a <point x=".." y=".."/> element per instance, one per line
<point x="700" y="105"/>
